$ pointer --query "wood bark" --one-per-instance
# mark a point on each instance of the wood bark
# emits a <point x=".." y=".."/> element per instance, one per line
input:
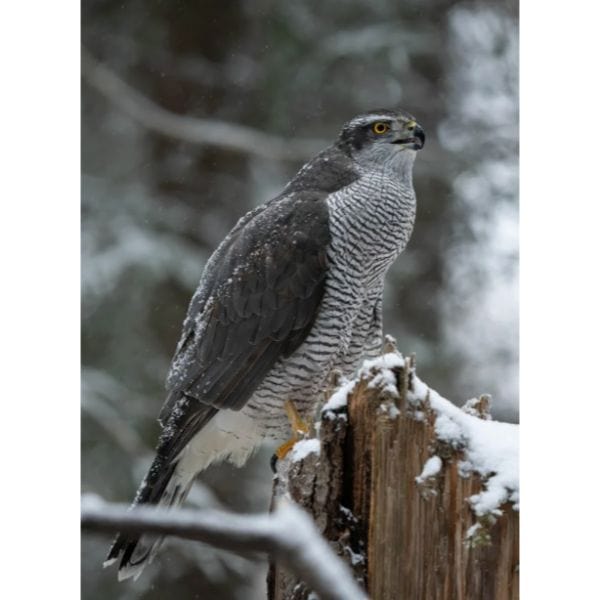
<point x="404" y="539"/>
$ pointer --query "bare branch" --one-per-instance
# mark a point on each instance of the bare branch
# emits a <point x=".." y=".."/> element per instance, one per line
<point x="229" y="136"/>
<point x="288" y="535"/>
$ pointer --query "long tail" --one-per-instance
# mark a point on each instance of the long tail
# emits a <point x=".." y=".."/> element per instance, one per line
<point x="135" y="551"/>
<point x="164" y="485"/>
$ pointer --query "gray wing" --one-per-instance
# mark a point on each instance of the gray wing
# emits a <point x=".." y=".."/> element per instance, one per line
<point x="256" y="303"/>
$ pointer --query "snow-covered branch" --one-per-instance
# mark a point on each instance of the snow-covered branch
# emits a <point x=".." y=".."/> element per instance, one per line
<point x="288" y="535"/>
<point x="213" y="132"/>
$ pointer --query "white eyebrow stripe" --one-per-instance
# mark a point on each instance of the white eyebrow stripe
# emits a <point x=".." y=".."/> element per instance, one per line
<point x="371" y="118"/>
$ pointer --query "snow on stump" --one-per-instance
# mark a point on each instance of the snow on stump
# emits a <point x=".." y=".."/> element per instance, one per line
<point x="419" y="496"/>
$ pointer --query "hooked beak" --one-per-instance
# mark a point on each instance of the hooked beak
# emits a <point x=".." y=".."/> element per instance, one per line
<point x="417" y="138"/>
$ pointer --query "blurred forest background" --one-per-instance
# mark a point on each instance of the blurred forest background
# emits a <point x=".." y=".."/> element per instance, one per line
<point x="159" y="192"/>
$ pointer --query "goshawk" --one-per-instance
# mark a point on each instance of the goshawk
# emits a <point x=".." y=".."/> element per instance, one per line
<point x="293" y="292"/>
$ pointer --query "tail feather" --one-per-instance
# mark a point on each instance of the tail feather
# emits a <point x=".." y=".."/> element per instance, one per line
<point x="164" y="485"/>
<point x="135" y="551"/>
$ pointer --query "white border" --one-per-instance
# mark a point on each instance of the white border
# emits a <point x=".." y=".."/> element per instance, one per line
<point x="39" y="50"/>
<point x="560" y="300"/>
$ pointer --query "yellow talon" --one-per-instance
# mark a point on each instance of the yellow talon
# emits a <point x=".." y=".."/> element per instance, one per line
<point x="298" y="425"/>
<point x="299" y="429"/>
<point x="282" y="451"/>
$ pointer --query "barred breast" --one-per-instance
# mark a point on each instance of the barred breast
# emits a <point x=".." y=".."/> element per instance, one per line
<point x="371" y="221"/>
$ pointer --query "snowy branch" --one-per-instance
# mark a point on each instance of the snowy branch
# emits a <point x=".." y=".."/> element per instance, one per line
<point x="288" y="535"/>
<point x="213" y="132"/>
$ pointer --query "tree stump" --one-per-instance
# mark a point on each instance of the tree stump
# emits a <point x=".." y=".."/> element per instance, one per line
<point x="399" y="498"/>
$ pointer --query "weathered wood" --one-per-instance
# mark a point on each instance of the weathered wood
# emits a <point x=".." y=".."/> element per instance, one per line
<point x="406" y="537"/>
<point x="317" y="484"/>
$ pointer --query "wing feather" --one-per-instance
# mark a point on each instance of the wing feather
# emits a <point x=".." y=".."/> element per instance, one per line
<point x="256" y="303"/>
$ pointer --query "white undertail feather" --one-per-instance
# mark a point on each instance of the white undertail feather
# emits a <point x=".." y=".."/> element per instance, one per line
<point x="231" y="436"/>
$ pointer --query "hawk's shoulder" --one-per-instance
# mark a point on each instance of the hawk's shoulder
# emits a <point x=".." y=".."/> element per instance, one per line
<point x="328" y="172"/>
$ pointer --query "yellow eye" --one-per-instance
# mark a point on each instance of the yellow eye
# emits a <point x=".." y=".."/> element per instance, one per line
<point x="380" y="127"/>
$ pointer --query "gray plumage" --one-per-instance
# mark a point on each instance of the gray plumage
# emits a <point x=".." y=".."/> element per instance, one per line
<point x="293" y="292"/>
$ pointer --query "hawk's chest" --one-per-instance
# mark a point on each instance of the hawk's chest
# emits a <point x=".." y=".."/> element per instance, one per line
<point x="371" y="222"/>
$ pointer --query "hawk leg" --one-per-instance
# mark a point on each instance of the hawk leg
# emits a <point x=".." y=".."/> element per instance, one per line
<point x="299" y="430"/>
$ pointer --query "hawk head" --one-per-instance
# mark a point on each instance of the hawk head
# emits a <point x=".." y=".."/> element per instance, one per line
<point x="382" y="136"/>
